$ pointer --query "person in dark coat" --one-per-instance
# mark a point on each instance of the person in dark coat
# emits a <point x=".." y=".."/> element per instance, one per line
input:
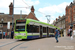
<point x="12" y="34"/>
<point x="70" y="31"/>
<point x="56" y="35"/>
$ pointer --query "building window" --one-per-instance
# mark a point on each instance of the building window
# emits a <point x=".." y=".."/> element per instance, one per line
<point x="73" y="18"/>
<point x="1" y="25"/>
<point x="74" y="27"/>
<point x="73" y="9"/>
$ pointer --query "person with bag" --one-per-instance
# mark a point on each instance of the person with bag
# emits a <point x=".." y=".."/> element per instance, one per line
<point x="3" y="35"/>
<point x="70" y="31"/>
<point x="56" y="35"/>
<point x="6" y="34"/>
<point x="12" y="34"/>
<point x="73" y="34"/>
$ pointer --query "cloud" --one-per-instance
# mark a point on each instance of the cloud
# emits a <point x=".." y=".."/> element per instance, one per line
<point x="53" y="10"/>
<point x="30" y="2"/>
<point x="4" y="5"/>
<point x="43" y="18"/>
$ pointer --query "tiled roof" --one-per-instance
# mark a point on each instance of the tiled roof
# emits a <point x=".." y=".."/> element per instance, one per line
<point x="7" y="17"/>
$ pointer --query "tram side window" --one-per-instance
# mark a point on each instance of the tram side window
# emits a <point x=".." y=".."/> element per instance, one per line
<point x="36" y="29"/>
<point x="49" y="30"/>
<point x="32" y="29"/>
<point x="53" y="30"/>
<point x="44" y="29"/>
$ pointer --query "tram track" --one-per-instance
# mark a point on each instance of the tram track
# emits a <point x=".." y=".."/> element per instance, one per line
<point x="22" y="43"/>
<point x="18" y="45"/>
<point x="11" y="42"/>
<point x="13" y="45"/>
<point x="7" y="44"/>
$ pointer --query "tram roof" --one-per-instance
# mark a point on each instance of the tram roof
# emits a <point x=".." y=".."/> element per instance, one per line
<point x="31" y="20"/>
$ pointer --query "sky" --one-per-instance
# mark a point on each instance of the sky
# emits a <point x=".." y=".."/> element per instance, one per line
<point x="54" y="8"/>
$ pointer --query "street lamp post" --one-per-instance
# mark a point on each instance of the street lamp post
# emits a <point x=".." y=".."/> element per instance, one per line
<point x="48" y="18"/>
<point x="13" y="16"/>
<point x="21" y="14"/>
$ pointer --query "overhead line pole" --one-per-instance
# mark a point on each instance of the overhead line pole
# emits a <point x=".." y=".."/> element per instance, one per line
<point x="21" y="14"/>
<point x="48" y="20"/>
<point x="13" y="16"/>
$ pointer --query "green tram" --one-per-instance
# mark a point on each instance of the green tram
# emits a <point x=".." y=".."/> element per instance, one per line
<point x="30" y="29"/>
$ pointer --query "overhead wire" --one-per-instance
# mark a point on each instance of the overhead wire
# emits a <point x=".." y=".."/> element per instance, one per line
<point x="25" y="2"/>
<point x="35" y="10"/>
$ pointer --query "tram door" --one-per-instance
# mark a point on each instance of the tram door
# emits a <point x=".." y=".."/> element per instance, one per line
<point x="41" y="31"/>
<point x="47" y="31"/>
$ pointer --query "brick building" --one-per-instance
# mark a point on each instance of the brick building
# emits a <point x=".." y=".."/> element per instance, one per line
<point x="4" y="18"/>
<point x="60" y="22"/>
<point x="70" y="16"/>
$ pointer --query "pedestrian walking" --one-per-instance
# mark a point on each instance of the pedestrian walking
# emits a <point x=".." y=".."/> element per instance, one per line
<point x="12" y="34"/>
<point x="4" y="35"/>
<point x="70" y="31"/>
<point x="8" y="34"/>
<point x="73" y="34"/>
<point x="56" y="35"/>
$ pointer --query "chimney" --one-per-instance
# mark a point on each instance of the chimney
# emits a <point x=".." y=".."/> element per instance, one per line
<point x="11" y="9"/>
<point x="32" y="9"/>
<point x="56" y="19"/>
<point x="59" y="17"/>
<point x="73" y="1"/>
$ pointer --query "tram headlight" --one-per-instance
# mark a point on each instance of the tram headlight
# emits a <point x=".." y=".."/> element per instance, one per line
<point x="16" y="34"/>
<point x="24" y="34"/>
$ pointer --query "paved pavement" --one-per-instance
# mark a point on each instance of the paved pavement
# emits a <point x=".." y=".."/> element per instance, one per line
<point x="65" y="43"/>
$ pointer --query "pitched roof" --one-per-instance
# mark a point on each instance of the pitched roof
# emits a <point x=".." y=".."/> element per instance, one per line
<point x="7" y="17"/>
<point x="31" y="15"/>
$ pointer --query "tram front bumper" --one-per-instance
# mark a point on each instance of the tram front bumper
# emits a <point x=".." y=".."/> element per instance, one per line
<point x="20" y="37"/>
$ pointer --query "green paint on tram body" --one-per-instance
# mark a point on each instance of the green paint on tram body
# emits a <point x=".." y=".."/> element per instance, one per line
<point x="27" y="21"/>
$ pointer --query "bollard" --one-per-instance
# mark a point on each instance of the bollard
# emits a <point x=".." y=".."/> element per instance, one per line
<point x="61" y="35"/>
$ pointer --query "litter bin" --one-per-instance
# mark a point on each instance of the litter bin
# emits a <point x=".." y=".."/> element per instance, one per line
<point x="0" y="35"/>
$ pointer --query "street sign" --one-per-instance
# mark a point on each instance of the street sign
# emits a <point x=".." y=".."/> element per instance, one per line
<point x="8" y="25"/>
